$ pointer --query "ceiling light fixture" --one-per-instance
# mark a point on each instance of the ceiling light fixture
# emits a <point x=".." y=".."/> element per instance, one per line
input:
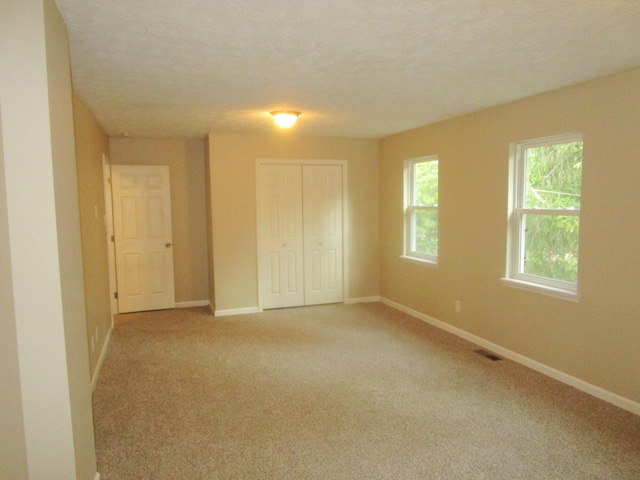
<point x="285" y="118"/>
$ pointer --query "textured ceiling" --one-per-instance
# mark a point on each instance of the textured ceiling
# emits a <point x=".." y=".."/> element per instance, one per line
<point x="354" y="68"/>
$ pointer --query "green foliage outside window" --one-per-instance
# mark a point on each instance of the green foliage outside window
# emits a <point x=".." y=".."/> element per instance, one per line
<point x="425" y="221"/>
<point x="553" y="181"/>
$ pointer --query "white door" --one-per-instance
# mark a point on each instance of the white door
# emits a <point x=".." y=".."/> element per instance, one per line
<point x="280" y="245"/>
<point x="143" y="240"/>
<point x="299" y="234"/>
<point x="322" y="213"/>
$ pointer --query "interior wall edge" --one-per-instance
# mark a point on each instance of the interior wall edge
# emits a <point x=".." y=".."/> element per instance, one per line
<point x="101" y="358"/>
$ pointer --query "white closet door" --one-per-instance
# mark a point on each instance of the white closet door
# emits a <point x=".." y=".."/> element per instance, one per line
<point x="280" y="235"/>
<point x="322" y="212"/>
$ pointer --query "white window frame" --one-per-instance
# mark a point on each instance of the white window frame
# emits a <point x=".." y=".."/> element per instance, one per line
<point x="409" y="252"/>
<point x="515" y="276"/>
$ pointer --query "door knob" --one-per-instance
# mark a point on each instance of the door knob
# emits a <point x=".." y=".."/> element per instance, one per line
<point x="168" y="244"/>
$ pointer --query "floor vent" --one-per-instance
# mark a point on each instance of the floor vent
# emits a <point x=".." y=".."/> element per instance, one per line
<point x="491" y="356"/>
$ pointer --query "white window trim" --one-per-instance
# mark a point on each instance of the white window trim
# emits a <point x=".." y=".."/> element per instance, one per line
<point x="560" y="293"/>
<point x="409" y="254"/>
<point x="419" y="261"/>
<point x="514" y="277"/>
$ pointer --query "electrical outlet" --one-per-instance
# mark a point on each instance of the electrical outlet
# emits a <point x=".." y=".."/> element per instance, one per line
<point x="458" y="306"/>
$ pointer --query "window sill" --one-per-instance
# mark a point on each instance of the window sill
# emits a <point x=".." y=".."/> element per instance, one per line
<point x="542" y="289"/>
<point x="419" y="261"/>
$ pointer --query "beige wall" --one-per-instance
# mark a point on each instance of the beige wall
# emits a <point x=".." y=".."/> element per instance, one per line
<point x="595" y="340"/>
<point x="91" y="144"/>
<point x="232" y="161"/>
<point x="188" y="205"/>
<point x="44" y="264"/>
<point x="13" y="453"/>
<point x="65" y="183"/>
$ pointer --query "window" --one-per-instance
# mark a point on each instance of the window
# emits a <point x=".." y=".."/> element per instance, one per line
<point x="421" y="209"/>
<point x="546" y="177"/>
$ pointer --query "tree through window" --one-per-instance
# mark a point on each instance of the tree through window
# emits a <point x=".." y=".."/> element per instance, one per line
<point x="421" y="208"/>
<point x="545" y="216"/>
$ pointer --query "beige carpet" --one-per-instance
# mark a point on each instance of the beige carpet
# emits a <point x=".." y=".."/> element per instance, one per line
<point x="339" y="392"/>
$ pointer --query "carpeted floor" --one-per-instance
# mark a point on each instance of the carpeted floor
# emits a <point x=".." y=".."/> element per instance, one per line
<point x="339" y="392"/>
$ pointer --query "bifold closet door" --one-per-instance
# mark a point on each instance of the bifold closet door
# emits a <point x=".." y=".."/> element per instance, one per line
<point x="322" y="215"/>
<point x="280" y="242"/>
<point x="299" y="234"/>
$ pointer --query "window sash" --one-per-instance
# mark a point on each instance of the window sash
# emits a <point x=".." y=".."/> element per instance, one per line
<point x="412" y="240"/>
<point x="548" y="211"/>
<point x="516" y="268"/>
<point x="519" y="255"/>
<point x="411" y="209"/>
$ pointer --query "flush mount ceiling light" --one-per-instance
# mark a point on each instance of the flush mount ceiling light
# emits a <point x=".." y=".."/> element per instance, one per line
<point x="285" y="118"/>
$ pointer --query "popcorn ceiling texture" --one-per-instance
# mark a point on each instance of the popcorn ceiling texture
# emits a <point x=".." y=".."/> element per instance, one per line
<point x="355" y="68"/>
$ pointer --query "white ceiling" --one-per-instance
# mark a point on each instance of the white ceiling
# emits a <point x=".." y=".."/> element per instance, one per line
<point x="354" y="68"/>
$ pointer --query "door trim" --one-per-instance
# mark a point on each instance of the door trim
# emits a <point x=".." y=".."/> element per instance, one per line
<point x="345" y="219"/>
<point x="108" y="220"/>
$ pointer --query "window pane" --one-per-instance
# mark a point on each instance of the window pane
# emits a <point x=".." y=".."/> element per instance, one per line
<point x="551" y="246"/>
<point x="425" y="223"/>
<point x="554" y="175"/>
<point x="425" y="176"/>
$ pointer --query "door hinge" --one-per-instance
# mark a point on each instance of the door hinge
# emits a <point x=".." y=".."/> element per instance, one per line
<point x="113" y="238"/>
<point x="109" y="180"/>
<point x="115" y="295"/>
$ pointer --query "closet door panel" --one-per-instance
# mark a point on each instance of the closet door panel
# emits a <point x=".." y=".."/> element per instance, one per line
<point x="280" y="235"/>
<point x="322" y="213"/>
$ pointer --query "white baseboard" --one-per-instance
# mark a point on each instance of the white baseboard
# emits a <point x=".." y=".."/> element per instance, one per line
<point x="598" y="392"/>
<point x="350" y="301"/>
<point x="248" y="310"/>
<point x="194" y="303"/>
<point x="236" y="311"/>
<point x="103" y="355"/>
